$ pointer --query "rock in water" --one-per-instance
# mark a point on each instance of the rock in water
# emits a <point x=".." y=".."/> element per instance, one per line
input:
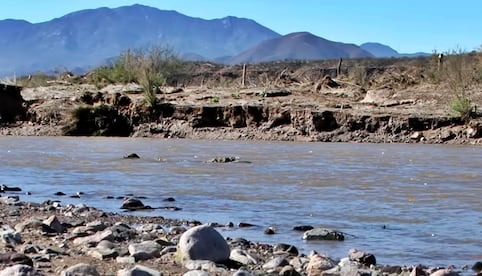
<point x="203" y="243"/>
<point x="133" y="204"/>
<point x="132" y="156"/>
<point x="323" y="234"/>
<point x="223" y="159"/>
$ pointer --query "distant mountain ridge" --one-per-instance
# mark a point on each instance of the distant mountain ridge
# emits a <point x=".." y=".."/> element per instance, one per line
<point x="85" y="39"/>
<point x="299" y="46"/>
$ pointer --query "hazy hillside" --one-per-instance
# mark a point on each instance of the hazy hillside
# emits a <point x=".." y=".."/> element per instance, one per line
<point x="299" y="46"/>
<point x="384" y="51"/>
<point x="88" y="37"/>
<point x="379" y="50"/>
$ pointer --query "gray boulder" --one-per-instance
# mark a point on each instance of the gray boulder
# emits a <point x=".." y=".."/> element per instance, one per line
<point x="95" y="238"/>
<point x="242" y="256"/>
<point x="275" y="263"/>
<point x="203" y="243"/>
<point x="323" y="234"/>
<point x="319" y="263"/>
<point x="145" y="250"/>
<point x="54" y="224"/>
<point x="362" y="257"/>
<point x="138" y="270"/>
<point x="80" y="269"/>
<point x="19" y="270"/>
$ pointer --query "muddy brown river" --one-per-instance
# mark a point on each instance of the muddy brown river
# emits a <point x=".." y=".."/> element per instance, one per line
<point x="406" y="204"/>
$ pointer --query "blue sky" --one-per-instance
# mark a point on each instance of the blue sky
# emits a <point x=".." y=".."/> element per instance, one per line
<point x="405" y="25"/>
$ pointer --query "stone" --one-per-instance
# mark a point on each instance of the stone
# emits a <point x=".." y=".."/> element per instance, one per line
<point x="97" y="225"/>
<point x="15" y="258"/>
<point x="285" y="248"/>
<point x="132" y="156"/>
<point x="303" y="228"/>
<point x="323" y="234"/>
<point x="151" y="228"/>
<point x="125" y="260"/>
<point x="243" y="257"/>
<point x="200" y="265"/>
<point x="133" y="204"/>
<point x="444" y="272"/>
<point x="5" y="188"/>
<point x="81" y="269"/>
<point x="31" y="223"/>
<point x="242" y="272"/>
<point x="245" y="225"/>
<point x="139" y="270"/>
<point x="288" y="270"/>
<point x="417" y="136"/>
<point x="95" y="238"/>
<point x="270" y="231"/>
<point x="175" y="230"/>
<point x="223" y="159"/>
<point x="196" y="273"/>
<point x="145" y="250"/>
<point x="477" y="267"/>
<point x="53" y="223"/>
<point x="362" y="257"/>
<point x="11" y="237"/>
<point x="203" y="243"/>
<point x="319" y="263"/>
<point x="105" y="244"/>
<point x="103" y="253"/>
<point x="19" y="270"/>
<point x="275" y="263"/>
<point x="168" y="249"/>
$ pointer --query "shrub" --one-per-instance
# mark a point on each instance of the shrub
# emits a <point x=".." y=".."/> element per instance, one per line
<point x="151" y="68"/>
<point x="462" y="107"/>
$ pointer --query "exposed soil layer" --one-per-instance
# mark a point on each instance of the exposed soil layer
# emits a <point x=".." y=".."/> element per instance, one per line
<point x="304" y="102"/>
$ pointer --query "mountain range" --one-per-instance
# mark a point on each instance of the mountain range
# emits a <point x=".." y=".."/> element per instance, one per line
<point x="88" y="38"/>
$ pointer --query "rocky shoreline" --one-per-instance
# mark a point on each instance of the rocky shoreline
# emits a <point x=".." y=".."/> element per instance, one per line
<point x="50" y="239"/>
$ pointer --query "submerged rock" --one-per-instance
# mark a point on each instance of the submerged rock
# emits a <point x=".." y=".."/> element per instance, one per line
<point x="224" y="159"/>
<point x="134" y="204"/>
<point x="132" y="156"/>
<point x="323" y="234"/>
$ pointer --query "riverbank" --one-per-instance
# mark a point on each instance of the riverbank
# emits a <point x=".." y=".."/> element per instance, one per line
<point x="290" y="113"/>
<point x="53" y="239"/>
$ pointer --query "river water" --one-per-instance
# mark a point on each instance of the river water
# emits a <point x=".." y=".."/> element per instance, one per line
<point x="406" y="204"/>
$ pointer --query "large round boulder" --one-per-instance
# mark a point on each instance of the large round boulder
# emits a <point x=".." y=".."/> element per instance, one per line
<point x="203" y="243"/>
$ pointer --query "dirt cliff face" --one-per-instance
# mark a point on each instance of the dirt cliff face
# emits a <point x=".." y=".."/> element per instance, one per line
<point x="11" y="104"/>
<point x="391" y="100"/>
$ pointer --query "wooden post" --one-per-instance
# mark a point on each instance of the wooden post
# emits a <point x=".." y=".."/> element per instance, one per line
<point x="243" y="80"/>
<point x="440" y="61"/>
<point x="338" y="69"/>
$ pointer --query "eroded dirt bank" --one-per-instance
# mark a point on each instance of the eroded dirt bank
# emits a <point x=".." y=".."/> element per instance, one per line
<point x="418" y="114"/>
